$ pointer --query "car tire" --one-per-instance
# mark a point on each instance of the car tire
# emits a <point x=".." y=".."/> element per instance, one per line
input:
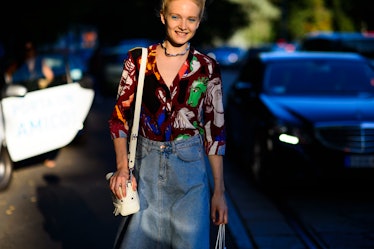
<point x="239" y="136"/>
<point x="6" y="168"/>
<point x="261" y="164"/>
<point x="257" y="165"/>
<point x="233" y="151"/>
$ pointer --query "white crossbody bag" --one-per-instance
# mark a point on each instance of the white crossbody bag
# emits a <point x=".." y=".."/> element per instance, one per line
<point x="130" y="203"/>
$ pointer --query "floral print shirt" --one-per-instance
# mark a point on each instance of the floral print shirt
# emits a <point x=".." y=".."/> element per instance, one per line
<point x="192" y="105"/>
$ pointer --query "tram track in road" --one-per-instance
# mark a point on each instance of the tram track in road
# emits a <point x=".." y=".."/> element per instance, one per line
<point x="245" y="237"/>
<point x="325" y="215"/>
<point x="307" y="235"/>
<point x="260" y="219"/>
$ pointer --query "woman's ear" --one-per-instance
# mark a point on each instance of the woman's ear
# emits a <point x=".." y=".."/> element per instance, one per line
<point x="198" y="25"/>
<point x="162" y="18"/>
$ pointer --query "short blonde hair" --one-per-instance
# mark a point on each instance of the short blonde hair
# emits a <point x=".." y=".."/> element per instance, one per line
<point x="199" y="3"/>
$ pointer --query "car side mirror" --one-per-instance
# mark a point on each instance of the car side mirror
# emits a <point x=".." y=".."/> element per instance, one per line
<point x="245" y="88"/>
<point x="243" y="85"/>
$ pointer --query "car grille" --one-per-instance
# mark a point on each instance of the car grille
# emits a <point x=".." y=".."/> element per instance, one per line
<point x="353" y="138"/>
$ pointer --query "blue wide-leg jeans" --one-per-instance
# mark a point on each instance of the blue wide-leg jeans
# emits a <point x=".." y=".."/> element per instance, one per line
<point x="174" y="197"/>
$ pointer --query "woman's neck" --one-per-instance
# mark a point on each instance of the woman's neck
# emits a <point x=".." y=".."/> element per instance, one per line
<point x="168" y="53"/>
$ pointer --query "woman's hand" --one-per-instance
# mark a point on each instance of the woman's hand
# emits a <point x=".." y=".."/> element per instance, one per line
<point x="219" y="211"/>
<point x="118" y="182"/>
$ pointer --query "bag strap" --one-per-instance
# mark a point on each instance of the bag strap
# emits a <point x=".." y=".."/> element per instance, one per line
<point x="138" y="102"/>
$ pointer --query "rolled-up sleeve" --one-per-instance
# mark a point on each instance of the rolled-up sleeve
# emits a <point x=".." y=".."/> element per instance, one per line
<point x="214" y="121"/>
<point x="121" y="115"/>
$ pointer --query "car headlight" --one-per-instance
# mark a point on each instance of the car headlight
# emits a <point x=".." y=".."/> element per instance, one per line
<point x="233" y="58"/>
<point x="290" y="134"/>
<point x="288" y="139"/>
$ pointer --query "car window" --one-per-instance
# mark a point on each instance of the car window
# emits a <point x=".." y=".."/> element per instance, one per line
<point x="363" y="46"/>
<point x="319" y="77"/>
<point x="320" y="44"/>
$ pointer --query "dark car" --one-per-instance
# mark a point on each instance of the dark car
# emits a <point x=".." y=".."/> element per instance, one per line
<point x="302" y="115"/>
<point x="358" y="42"/>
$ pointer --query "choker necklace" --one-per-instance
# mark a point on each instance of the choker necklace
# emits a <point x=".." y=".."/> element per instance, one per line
<point x="177" y="54"/>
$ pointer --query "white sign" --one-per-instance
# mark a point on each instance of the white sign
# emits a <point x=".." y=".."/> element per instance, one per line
<point x="44" y="120"/>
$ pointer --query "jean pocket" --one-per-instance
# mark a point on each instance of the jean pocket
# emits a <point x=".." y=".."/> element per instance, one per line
<point x="190" y="153"/>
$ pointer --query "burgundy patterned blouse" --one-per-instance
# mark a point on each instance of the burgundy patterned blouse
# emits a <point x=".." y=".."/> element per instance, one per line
<point x="193" y="104"/>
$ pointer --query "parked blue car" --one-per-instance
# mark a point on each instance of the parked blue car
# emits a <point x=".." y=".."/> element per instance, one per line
<point x="302" y="115"/>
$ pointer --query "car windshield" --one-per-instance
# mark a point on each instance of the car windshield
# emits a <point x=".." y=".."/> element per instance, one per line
<point x="319" y="77"/>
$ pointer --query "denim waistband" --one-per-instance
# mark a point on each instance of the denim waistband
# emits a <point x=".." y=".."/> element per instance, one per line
<point x="174" y="145"/>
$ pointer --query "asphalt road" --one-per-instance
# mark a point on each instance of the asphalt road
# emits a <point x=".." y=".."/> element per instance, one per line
<point x="64" y="207"/>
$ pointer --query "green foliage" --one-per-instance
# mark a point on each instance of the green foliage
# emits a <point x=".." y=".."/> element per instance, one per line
<point x="341" y="20"/>
<point x="262" y="14"/>
<point x="309" y="16"/>
<point x="302" y="16"/>
<point x="223" y="18"/>
<point x="239" y="22"/>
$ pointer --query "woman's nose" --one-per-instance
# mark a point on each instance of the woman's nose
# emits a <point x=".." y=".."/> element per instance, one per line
<point x="183" y="25"/>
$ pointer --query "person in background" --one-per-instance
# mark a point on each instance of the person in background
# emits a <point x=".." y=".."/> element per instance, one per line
<point x="181" y="121"/>
<point x="32" y="71"/>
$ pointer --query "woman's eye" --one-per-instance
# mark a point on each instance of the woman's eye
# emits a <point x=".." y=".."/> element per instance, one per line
<point x="174" y="17"/>
<point x="192" y="19"/>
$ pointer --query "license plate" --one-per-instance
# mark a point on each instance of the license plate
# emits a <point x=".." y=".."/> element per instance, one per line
<point x="359" y="161"/>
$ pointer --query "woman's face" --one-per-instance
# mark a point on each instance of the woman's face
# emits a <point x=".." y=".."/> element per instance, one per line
<point x="181" y="20"/>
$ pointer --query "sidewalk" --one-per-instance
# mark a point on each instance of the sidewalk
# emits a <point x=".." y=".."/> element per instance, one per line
<point x="236" y="235"/>
<point x="254" y="222"/>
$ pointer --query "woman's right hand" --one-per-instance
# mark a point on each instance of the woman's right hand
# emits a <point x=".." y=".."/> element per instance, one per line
<point x="118" y="182"/>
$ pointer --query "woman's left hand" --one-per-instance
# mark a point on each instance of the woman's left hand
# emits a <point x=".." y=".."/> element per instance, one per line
<point x="219" y="210"/>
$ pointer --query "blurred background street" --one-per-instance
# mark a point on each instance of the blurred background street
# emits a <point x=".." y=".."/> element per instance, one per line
<point x="292" y="137"/>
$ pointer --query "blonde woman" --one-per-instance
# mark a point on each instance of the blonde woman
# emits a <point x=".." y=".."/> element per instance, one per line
<point x="181" y="122"/>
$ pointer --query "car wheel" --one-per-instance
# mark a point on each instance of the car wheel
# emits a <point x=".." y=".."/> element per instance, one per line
<point x="261" y="170"/>
<point x="6" y="168"/>
<point x="239" y="136"/>
<point x="257" y="161"/>
<point x="232" y="148"/>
